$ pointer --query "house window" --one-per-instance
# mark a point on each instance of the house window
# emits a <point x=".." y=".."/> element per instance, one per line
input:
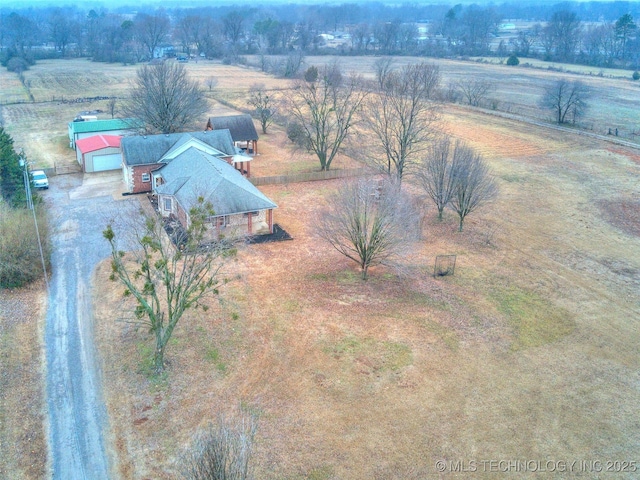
<point x="220" y="221"/>
<point x="253" y="214"/>
<point x="168" y="204"/>
<point x="146" y="177"/>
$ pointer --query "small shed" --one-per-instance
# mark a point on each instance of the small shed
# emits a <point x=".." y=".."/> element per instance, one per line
<point x="116" y="126"/>
<point x="99" y="153"/>
<point x="243" y="131"/>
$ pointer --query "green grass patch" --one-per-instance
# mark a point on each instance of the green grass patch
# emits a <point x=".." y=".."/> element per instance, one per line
<point x="344" y="277"/>
<point x="397" y="355"/>
<point x="348" y="277"/>
<point x="290" y="305"/>
<point x="213" y="356"/>
<point x="447" y="335"/>
<point x="384" y="355"/>
<point x="324" y="472"/>
<point x="158" y="381"/>
<point x="535" y="320"/>
<point x="420" y="299"/>
<point x="513" y="178"/>
<point x="145" y="351"/>
<point x="320" y="277"/>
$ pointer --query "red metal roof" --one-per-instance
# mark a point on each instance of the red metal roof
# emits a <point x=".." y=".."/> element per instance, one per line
<point x="98" y="142"/>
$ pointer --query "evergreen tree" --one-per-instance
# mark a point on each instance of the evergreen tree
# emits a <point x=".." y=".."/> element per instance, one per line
<point x="11" y="176"/>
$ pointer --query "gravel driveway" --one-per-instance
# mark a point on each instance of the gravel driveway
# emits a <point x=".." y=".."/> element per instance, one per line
<point x="77" y="414"/>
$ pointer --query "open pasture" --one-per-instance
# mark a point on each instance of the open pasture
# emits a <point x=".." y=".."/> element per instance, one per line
<point x="41" y="127"/>
<point x="529" y="352"/>
<point x="614" y="101"/>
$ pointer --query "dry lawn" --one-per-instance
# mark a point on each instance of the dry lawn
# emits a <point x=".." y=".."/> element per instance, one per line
<point x="529" y="352"/>
<point x="23" y="449"/>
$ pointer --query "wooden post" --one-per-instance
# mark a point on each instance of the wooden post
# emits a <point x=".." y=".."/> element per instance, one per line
<point x="270" y="220"/>
<point x="248" y="169"/>
<point x="249" y="222"/>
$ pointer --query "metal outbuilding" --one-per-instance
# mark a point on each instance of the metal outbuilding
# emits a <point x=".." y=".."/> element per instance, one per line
<point x="99" y="153"/>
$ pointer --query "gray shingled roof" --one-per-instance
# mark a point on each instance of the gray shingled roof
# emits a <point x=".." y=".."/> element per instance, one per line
<point x="215" y="180"/>
<point x="240" y="126"/>
<point x="143" y="150"/>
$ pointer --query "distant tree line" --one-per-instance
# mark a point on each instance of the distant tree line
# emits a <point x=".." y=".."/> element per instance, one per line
<point x="595" y="33"/>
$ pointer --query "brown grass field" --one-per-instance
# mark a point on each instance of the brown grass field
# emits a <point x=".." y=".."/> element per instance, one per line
<point x="529" y="352"/>
<point x="41" y="128"/>
<point x="22" y="433"/>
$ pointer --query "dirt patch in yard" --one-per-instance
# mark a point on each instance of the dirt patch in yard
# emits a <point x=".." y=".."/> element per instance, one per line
<point x="623" y="214"/>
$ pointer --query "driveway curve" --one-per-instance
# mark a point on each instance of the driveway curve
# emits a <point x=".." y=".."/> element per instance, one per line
<point x="77" y="416"/>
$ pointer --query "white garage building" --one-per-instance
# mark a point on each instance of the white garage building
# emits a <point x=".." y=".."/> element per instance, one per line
<point x="99" y="153"/>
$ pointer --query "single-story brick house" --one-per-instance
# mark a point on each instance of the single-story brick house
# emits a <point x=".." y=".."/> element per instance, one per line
<point x="89" y="128"/>
<point x="142" y="155"/>
<point x="99" y="153"/>
<point x="243" y="130"/>
<point x="240" y="208"/>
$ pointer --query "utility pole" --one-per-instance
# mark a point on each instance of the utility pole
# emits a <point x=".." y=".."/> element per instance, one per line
<point x="27" y="187"/>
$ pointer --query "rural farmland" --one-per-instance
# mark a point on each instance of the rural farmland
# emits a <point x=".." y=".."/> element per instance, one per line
<point x="527" y="353"/>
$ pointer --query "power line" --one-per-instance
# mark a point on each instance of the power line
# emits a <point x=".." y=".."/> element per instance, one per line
<point x="30" y="205"/>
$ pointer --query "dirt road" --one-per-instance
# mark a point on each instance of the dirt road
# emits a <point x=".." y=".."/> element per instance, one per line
<point x="77" y="415"/>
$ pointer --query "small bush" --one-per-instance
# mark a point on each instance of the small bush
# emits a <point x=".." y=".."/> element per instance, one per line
<point x="311" y="75"/>
<point x="636" y="75"/>
<point x="222" y="452"/>
<point x="296" y="133"/>
<point x="17" y="64"/>
<point x="513" y="60"/>
<point x="20" y="261"/>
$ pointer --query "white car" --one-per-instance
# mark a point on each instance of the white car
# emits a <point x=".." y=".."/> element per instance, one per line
<point x="40" y="179"/>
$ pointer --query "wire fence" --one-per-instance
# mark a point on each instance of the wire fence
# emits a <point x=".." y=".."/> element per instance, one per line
<point x="310" y="176"/>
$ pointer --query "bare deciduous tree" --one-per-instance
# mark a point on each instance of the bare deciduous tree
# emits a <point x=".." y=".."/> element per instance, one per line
<point x="222" y="452"/>
<point x="292" y="64"/>
<point x="435" y="175"/>
<point x="111" y="106"/>
<point x="164" y="98"/>
<point x="568" y="100"/>
<point x="474" y="91"/>
<point x="325" y="111"/>
<point x="166" y="281"/>
<point x="152" y="30"/>
<point x="402" y="114"/>
<point x="263" y="103"/>
<point x="371" y="222"/>
<point x="211" y="82"/>
<point x="383" y="67"/>
<point x="561" y="35"/>
<point x="233" y="23"/>
<point x="474" y="185"/>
